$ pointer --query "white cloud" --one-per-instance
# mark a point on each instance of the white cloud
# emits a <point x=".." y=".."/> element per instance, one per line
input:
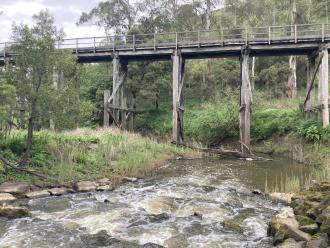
<point x="66" y="15"/>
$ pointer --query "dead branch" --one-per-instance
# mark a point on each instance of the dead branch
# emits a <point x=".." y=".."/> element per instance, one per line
<point x="7" y="164"/>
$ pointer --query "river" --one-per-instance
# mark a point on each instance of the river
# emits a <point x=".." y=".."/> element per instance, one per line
<point x="188" y="203"/>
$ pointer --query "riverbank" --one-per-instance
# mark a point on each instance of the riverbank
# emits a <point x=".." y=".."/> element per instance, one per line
<point x="306" y="223"/>
<point x="86" y="154"/>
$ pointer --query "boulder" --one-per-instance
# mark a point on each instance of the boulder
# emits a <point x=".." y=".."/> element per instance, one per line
<point x="324" y="215"/>
<point x="291" y="243"/>
<point x="304" y="220"/>
<point x="6" y="197"/>
<point x="58" y="191"/>
<point x="130" y="179"/>
<point x="284" y="217"/>
<point x="37" y="194"/>
<point x="311" y="228"/>
<point x="318" y="241"/>
<point x="288" y="231"/>
<point x="14" y="188"/>
<point x="281" y="197"/>
<point x="105" y="188"/>
<point x="85" y="186"/>
<point x="325" y="227"/>
<point x="13" y="212"/>
<point x="104" y="181"/>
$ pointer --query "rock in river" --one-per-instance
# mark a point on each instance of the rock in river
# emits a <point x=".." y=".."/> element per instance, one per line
<point x="13" y="212"/>
<point x="37" y="194"/>
<point x="14" y="188"/>
<point x="85" y="186"/>
<point x="6" y="197"/>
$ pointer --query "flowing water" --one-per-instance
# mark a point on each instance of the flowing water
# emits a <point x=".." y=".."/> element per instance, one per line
<point x="197" y="203"/>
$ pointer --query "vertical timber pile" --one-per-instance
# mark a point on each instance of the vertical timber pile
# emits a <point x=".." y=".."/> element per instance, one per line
<point x="245" y="103"/>
<point x="178" y="109"/>
<point x="324" y="85"/>
<point x="106" y="115"/>
<point x="117" y="101"/>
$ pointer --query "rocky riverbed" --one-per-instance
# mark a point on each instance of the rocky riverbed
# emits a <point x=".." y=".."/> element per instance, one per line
<point x="200" y="203"/>
<point x="306" y="223"/>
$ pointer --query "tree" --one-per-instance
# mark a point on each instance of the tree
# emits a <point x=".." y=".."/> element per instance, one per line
<point x="32" y="74"/>
<point x="115" y="16"/>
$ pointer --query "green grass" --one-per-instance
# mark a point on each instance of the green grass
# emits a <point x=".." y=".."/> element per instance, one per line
<point x="86" y="154"/>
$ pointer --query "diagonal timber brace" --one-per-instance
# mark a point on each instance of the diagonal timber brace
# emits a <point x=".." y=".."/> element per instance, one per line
<point x="115" y="104"/>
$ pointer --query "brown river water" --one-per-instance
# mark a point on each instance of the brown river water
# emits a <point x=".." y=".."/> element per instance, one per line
<point x="184" y="205"/>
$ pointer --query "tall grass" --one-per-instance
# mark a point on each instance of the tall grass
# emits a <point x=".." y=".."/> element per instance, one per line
<point x="87" y="154"/>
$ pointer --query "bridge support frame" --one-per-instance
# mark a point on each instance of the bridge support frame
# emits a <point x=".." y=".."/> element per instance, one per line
<point x="178" y="107"/>
<point x="245" y="103"/>
<point x="116" y="104"/>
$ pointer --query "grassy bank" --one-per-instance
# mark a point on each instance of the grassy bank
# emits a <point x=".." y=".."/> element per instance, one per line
<point x="87" y="154"/>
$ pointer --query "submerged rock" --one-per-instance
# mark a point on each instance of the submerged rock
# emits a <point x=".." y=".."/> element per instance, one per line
<point x="14" y="188"/>
<point x="231" y="225"/>
<point x="85" y="186"/>
<point x="13" y="212"/>
<point x="6" y="197"/>
<point x="256" y="192"/>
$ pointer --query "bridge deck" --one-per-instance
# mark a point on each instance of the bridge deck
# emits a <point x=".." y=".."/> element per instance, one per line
<point x="266" y="41"/>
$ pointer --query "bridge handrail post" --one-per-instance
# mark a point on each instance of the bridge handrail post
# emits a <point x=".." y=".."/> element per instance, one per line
<point x="133" y="42"/>
<point x="199" y="38"/>
<point x="176" y="40"/>
<point x="295" y="34"/>
<point x="77" y="46"/>
<point x="246" y="36"/>
<point x="155" y="42"/>
<point x="323" y="32"/>
<point x="269" y="35"/>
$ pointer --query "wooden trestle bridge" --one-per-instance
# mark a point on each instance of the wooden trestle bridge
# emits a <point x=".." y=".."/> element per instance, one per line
<point x="311" y="40"/>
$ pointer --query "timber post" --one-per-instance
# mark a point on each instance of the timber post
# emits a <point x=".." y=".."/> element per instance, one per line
<point x="245" y="103"/>
<point x="310" y="95"/>
<point x="106" y="115"/>
<point x="324" y="85"/>
<point x="178" y="109"/>
<point x="117" y="101"/>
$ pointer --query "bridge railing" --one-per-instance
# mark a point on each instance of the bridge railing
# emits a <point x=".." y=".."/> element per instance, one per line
<point x="254" y="35"/>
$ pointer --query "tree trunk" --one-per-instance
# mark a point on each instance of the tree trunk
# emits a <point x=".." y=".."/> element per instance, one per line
<point x="24" y="159"/>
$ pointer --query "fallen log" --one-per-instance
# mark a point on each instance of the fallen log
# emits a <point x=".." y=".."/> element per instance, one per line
<point x="230" y="153"/>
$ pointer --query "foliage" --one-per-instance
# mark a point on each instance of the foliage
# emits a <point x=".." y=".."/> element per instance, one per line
<point x="87" y="154"/>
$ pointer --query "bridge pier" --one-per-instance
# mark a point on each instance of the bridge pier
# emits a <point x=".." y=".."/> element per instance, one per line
<point x="116" y="103"/>
<point x="324" y="85"/>
<point x="245" y="103"/>
<point x="178" y="108"/>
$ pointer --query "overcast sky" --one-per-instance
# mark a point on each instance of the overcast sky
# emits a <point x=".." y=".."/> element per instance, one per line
<point x="66" y="13"/>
